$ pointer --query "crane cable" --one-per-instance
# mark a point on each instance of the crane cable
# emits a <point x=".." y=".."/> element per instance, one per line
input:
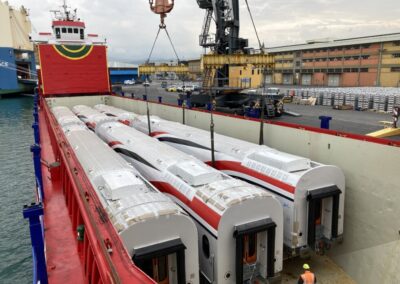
<point x="254" y="25"/>
<point x="155" y="41"/>
<point x="173" y="47"/>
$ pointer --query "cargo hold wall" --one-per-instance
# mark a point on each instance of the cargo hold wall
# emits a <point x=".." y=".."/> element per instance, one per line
<point x="371" y="247"/>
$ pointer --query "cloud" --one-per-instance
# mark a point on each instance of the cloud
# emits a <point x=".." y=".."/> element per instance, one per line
<point x="130" y="27"/>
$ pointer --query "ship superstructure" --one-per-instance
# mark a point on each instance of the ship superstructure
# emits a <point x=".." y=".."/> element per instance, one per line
<point x="17" y="59"/>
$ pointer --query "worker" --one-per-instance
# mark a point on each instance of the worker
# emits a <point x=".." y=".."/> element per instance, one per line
<point x="307" y="277"/>
<point x="395" y="115"/>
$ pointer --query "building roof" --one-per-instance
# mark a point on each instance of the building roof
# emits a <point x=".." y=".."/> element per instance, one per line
<point x="115" y="64"/>
<point x="324" y="43"/>
<point x="132" y="71"/>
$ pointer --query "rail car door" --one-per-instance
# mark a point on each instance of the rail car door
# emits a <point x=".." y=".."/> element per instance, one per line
<point x="250" y="237"/>
<point x="163" y="262"/>
<point x="323" y="214"/>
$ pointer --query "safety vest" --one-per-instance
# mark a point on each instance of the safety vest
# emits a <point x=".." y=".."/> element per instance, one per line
<point x="308" y="277"/>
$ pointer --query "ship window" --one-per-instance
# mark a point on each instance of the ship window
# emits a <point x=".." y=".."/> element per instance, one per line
<point x="75" y="31"/>
<point x="70" y="30"/>
<point x="206" y="246"/>
<point x="58" y="35"/>
<point x="81" y="33"/>
<point x="64" y="30"/>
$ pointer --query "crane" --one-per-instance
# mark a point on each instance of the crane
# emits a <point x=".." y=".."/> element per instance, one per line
<point x="226" y="16"/>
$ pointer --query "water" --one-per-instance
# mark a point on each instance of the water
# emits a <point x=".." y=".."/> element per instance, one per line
<point x="16" y="188"/>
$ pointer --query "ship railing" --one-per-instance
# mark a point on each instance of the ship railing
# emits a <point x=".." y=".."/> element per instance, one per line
<point x="34" y="211"/>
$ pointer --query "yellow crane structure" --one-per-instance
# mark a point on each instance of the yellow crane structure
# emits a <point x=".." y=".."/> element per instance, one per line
<point x="149" y="69"/>
<point x="212" y="62"/>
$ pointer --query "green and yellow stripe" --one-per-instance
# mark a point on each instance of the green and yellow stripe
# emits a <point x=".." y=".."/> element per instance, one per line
<point x="73" y="52"/>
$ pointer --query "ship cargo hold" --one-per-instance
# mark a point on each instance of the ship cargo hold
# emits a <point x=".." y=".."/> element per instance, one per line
<point x="158" y="236"/>
<point x="312" y="194"/>
<point x="236" y="244"/>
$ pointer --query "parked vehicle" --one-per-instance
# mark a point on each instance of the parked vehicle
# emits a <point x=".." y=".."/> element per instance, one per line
<point x="129" y="82"/>
<point x="172" y="88"/>
<point x="164" y="84"/>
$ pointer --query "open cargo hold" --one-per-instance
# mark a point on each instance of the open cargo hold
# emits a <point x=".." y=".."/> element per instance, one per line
<point x="240" y="226"/>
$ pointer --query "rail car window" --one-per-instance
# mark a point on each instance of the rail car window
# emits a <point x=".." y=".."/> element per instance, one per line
<point x="158" y="260"/>
<point x="206" y="246"/>
<point x="250" y="248"/>
<point x="323" y="214"/>
<point x="157" y="268"/>
<point x="246" y="236"/>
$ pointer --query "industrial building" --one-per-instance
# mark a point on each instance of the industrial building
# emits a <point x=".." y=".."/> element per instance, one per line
<point x="119" y="72"/>
<point x="17" y="61"/>
<point x="352" y="62"/>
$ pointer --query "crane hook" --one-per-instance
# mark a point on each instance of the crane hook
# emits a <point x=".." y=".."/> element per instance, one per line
<point x="162" y="8"/>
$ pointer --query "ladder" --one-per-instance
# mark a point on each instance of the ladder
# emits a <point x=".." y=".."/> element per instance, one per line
<point x="209" y="75"/>
<point x="205" y="35"/>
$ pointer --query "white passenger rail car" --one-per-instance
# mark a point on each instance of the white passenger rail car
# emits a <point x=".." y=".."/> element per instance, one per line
<point x="312" y="194"/>
<point x="158" y="235"/>
<point x="239" y="225"/>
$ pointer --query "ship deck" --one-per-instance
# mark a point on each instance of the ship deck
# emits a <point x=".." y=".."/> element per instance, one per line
<point x="64" y="263"/>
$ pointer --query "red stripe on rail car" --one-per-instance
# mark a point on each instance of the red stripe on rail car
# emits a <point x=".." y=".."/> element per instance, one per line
<point x="125" y="121"/>
<point x="114" y="143"/>
<point x="156" y="133"/>
<point x="238" y="167"/>
<point x="210" y="216"/>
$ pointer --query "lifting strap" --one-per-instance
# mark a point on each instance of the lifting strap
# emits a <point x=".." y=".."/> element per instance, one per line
<point x="155" y="41"/>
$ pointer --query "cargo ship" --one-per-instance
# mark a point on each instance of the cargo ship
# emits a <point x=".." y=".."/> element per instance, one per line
<point x="114" y="225"/>
<point x="117" y="206"/>
<point x="17" y="58"/>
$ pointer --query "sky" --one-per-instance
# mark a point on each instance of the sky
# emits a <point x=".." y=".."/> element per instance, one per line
<point x="130" y="27"/>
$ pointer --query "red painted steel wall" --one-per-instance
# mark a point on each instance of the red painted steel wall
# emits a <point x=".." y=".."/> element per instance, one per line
<point x="73" y="69"/>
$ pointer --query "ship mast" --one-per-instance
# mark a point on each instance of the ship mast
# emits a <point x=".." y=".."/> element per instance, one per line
<point x="65" y="13"/>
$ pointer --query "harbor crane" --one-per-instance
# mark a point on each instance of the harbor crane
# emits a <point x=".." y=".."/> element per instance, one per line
<point x="227" y="47"/>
